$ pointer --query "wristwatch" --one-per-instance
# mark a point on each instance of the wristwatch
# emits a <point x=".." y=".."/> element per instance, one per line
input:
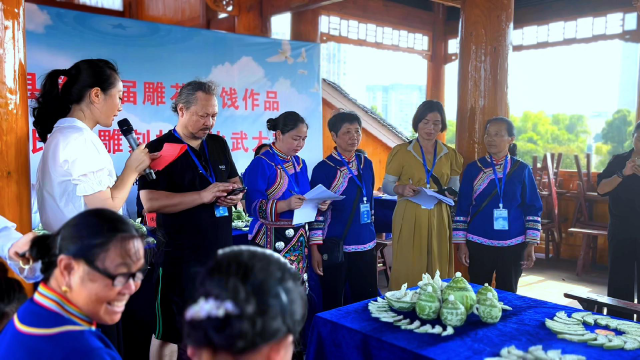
<point x="620" y="174"/>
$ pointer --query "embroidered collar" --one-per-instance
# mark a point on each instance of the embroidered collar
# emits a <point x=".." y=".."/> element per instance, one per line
<point x="497" y="161"/>
<point x="280" y="154"/>
<point x="349" y="159"/>
<point x="56" y="302"/>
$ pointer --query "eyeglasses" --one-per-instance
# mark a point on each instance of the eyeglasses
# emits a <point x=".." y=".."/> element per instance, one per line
<point x="119" y="280"/>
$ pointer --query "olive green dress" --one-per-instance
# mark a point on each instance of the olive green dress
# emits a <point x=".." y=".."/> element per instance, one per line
<point x="422" y="239"/>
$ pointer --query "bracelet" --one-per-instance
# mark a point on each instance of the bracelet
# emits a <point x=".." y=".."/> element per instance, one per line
<point x="620" y="174"/>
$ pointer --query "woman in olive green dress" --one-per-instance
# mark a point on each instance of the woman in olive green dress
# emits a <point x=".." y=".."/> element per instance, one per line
<point x="422" y="237"/>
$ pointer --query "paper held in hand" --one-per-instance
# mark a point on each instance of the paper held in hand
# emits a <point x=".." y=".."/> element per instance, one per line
<point x="309" y="209"/>
<point x="428" y="198"/>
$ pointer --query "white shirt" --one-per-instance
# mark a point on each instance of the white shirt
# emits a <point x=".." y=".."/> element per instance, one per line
<point x="74" y="164"/>
<point x="8" y="236"/>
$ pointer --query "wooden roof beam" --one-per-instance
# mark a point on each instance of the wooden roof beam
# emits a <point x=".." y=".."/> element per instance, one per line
<point x="275" y="7"/>
<point x="383" y="13"/>
<point x="456" y="3"/>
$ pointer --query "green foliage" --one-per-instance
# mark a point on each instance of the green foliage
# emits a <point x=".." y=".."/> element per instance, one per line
<point x="375" y="110"/>
<point x="602" y="154"/>
<point x="451" y="133"/>
<point x="537" y="134"/>
<point x="617" y="131"/>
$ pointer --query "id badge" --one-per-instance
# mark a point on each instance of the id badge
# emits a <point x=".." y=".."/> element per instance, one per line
<point x="365" y="213"/>
<point x="221" y="211"/>
<point x="500" y="219"/>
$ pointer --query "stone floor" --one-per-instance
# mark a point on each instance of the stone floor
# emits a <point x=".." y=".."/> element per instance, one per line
<point x="548" y="280"/>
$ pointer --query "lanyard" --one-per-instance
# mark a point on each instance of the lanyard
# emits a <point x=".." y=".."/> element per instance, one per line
<point x="209" y="175"/>
<point x="353" y="175"/>
<point x="293" y="163"/>
<point x="505" y="171"/>
<point x="428" y="172"/>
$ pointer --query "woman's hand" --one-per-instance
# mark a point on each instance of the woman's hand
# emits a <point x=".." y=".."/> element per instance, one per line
<point x="140" y="159"/>
<point x="294" y="203"/>
<point x="631" y="168"/>
<point x="324" y="206"/>
<point x="463" y="254"/>
<point x="408" y="190"/>
<point x="316" y="260"/>
<point x="529" y="257"/>
<point x="20" y="247"/>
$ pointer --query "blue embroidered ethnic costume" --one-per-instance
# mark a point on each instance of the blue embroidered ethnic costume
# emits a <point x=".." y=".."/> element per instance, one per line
<point x="521" y="200"/>
<point x="48" y="326"/>
<point x="267" y="183"/>
<point x="332" y="174"/>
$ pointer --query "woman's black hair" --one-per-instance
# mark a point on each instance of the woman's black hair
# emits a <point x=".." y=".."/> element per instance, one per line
<point x="426" y="108"/>
<point x="54" y="101"/>
<point x="337" y="121"/>
<point x="286" y="122"/>
<point x="12" y="296"/>
<point x="85" y="236"/>
<point x="259" y="149"/>
<point x="511" y="131"/>
<point x="267" y="293"/>
<point x="636" y="128"/>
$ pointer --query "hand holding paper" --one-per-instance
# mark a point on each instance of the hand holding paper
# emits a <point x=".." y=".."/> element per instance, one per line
<point x="307" y="212"/>
<point x="428" y="198"/>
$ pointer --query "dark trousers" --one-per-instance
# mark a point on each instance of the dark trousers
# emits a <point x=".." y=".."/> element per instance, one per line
<point x="624" y="266"/>
<point x="504" y="261"/>
<point x="358" y="272"/>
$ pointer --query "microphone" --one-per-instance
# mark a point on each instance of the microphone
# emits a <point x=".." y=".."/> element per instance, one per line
<point x="127" y="131"/>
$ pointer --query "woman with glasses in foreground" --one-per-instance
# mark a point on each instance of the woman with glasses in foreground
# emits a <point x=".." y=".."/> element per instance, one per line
<point x="90" y="267"/>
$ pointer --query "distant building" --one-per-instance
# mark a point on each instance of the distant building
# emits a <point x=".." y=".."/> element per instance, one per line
<point x="397" y="103"/>
<point x="334" y="62"/>
<point x="628" y="89"/>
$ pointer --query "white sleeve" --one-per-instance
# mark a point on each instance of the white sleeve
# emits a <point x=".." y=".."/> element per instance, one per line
<point x="8" y="236"/>
<point x="389" y="183"/>
<point x="91" y="170"/>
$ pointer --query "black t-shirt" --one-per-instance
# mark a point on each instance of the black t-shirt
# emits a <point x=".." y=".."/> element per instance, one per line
<point x="192" y="235"/>
<point x="624" y="200"/>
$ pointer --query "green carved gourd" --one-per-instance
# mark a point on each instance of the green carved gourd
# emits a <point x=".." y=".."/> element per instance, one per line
<point x="488" y="309"/>
<point x="486" y="289"/>
<point x="461" y="291"/>
<point x="428" y="304"/>
<point x="452" y="312"/>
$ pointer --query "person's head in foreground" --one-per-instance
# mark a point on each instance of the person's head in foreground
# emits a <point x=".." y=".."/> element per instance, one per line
<point x="12" y="295"/>
<point x="96" y="261"/>
<point x="251" y="306"/>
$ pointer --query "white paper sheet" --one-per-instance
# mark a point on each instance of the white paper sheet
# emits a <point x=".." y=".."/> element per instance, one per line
<point x="309" y="209"/>
<point x="429" y="198"/>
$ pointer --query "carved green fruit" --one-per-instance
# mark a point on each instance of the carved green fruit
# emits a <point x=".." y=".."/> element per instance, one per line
<point x="428" y="304"/>
<point x="488" y="309"/>
<point x="486" y="289"/>
<point x="452" y="312"/>
<point x="461" y="291"/>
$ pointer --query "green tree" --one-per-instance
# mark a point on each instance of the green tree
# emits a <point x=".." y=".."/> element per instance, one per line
<point x="617" y="132"/>
<point x="537" y="134"/>
<point x="451" y="133"/>
<point x="602" y="154"/>
<point x="375" y="110"/>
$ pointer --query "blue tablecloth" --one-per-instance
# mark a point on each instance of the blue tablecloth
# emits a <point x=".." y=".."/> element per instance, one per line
<point x="240" y="237"/>
<point x="383" y="213"/>
<point x="352" y="333"/>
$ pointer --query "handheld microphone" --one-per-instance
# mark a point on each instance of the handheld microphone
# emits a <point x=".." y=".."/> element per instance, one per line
<point x="127" y="131"/>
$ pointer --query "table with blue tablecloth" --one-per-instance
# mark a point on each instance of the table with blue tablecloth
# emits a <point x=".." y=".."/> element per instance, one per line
<point x="352" y="333"/>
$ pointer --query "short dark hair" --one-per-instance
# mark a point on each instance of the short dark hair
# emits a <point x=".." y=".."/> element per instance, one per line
<point x="511" y="131"/>
<point x="266" y="291"/>
<point x="54" y="101"/>
<point x="259" y="149"/>
<point x="188" y="94"/>
<point x="286" y="122"/>
<point x="12" y="296"/>
<point x="636" y="128"/>
<point x="85" y="236"/>
<point x="426" y="108"/>
<point x="337" y="121"/>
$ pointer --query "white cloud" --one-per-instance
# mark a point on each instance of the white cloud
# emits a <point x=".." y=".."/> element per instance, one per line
<point x="245" y="73"/>
<point x="41" y="57"/>
<point x="36" y="19"/>
<point x="296" y="101"/>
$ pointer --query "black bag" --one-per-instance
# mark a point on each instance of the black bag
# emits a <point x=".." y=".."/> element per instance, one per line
<point x="332" y="249"/>
<point x="443" y="191"/>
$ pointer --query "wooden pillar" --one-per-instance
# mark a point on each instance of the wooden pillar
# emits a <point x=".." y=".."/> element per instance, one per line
<point x="305" y="25"/>
<point x="250" y="20"/>
<point x="485" y="33"/>
<point x="15" y="173"/>
<point x="435" y="71"/>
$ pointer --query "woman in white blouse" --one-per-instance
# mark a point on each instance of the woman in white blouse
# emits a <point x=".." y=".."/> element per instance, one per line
<point x="76" y="172"/>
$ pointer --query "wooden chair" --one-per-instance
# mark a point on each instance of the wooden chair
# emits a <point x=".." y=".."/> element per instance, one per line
<point x="551" y="223"/>
<point x="596" y="303"/>
<point x="383" y="263"/>
<point x="589" y="248"/>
